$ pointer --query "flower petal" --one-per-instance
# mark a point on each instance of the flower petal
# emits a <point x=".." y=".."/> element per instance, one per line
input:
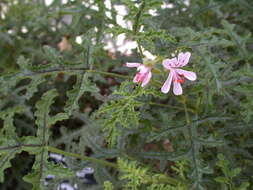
<point x="177" y="88"/>
<point x="183" y="59"/>
<point x="133" y="64"/>
<point x="166" y="86"/>
<point x="146" y="79"/>
<point x="143" y="69"/>
<point x="187" y="74"/>
<point x="168" y="63"/>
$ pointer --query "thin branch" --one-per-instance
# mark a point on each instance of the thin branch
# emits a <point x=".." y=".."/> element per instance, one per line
<point x="44" y="143"/>
<point x="138" y="16"/>
<point x="103" y="162"/>
<point x="86" y="158"/>
<point x="109" y="74"/>
<point x="136" y="25"/>
<point x="75" y="69"/>
<point x="20" y="146"/>
<point x="103" y="17"/>
<point x="9" y="147"/>
<point x="45" y="72"/>
<point x="171" y="128"/>
<point x="58" y="151"/>
<point x="139" y="48"/>
<point x="169" y="106"/>
<point x="193" y="152"/>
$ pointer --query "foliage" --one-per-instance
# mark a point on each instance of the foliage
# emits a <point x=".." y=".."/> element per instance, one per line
<point x="229" y="174"/>
<point x="63" y="91"/>
<point x="108" y="185"/>
<point x="141" y="177"/>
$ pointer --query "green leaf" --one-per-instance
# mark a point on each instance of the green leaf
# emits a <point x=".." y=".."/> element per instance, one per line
<point x="42" y="113"/>
<point x="229" y="173"/>
<point x="108" y="185"/>
<point x="221" y="180"/>
<point x="23" y="63"/>
<point x="7" y="115"/>
<point x="244" y="186"/>
<point x="235" y="172"/>
<point x="58" y="170"/>
<point x="58" y="117"/>
<point x="53" y="55"/>
<point x="34" y="179"/>
<point x="164" y="187"/>
<point x="32" y="87"/>
<point x="39" y="168"/>
<point x="82" y="85"/>
<point x="135" y="176"/>
<point x="5" y="158"/>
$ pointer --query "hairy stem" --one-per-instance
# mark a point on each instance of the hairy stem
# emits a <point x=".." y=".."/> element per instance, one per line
<point x="19" y="146"/>
<point x="169" y="106"/>
<point x="193" y="146"/>
<point x="136" y="25"/>
<point x="167" y="179"/>
<point x="44" y="72"/>
<point x="44" y="143"/>
<point x="139" y="48"/>
<point x="86" y="158"/>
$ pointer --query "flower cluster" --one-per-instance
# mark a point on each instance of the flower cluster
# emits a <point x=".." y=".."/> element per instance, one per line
<point x="177" y="75"/>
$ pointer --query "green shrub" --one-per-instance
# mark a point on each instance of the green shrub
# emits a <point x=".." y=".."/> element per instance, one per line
<point x="62" y="91"/>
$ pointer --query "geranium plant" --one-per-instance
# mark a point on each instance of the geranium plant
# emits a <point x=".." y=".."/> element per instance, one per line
<point x="126" y="94"/>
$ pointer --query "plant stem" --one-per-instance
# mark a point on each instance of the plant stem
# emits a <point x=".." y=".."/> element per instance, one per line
<point x="75" y="69"/>
<point x="139" y="48"/>
<point x="186" y="113"/>
<point x="192" y="137"/>
<point x="136" y="25"/>
<point x="108" y="73"/>
<point x="70" y="154"/>
<point x="45" y="72"/>
<point x="167" y="179"/>
<point x="138" y="16"/>
<point x="169" y="106"/>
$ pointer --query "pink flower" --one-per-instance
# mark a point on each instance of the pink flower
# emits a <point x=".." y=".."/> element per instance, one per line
<point x="143" y="76"/>
<point x="177" y="75"/>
